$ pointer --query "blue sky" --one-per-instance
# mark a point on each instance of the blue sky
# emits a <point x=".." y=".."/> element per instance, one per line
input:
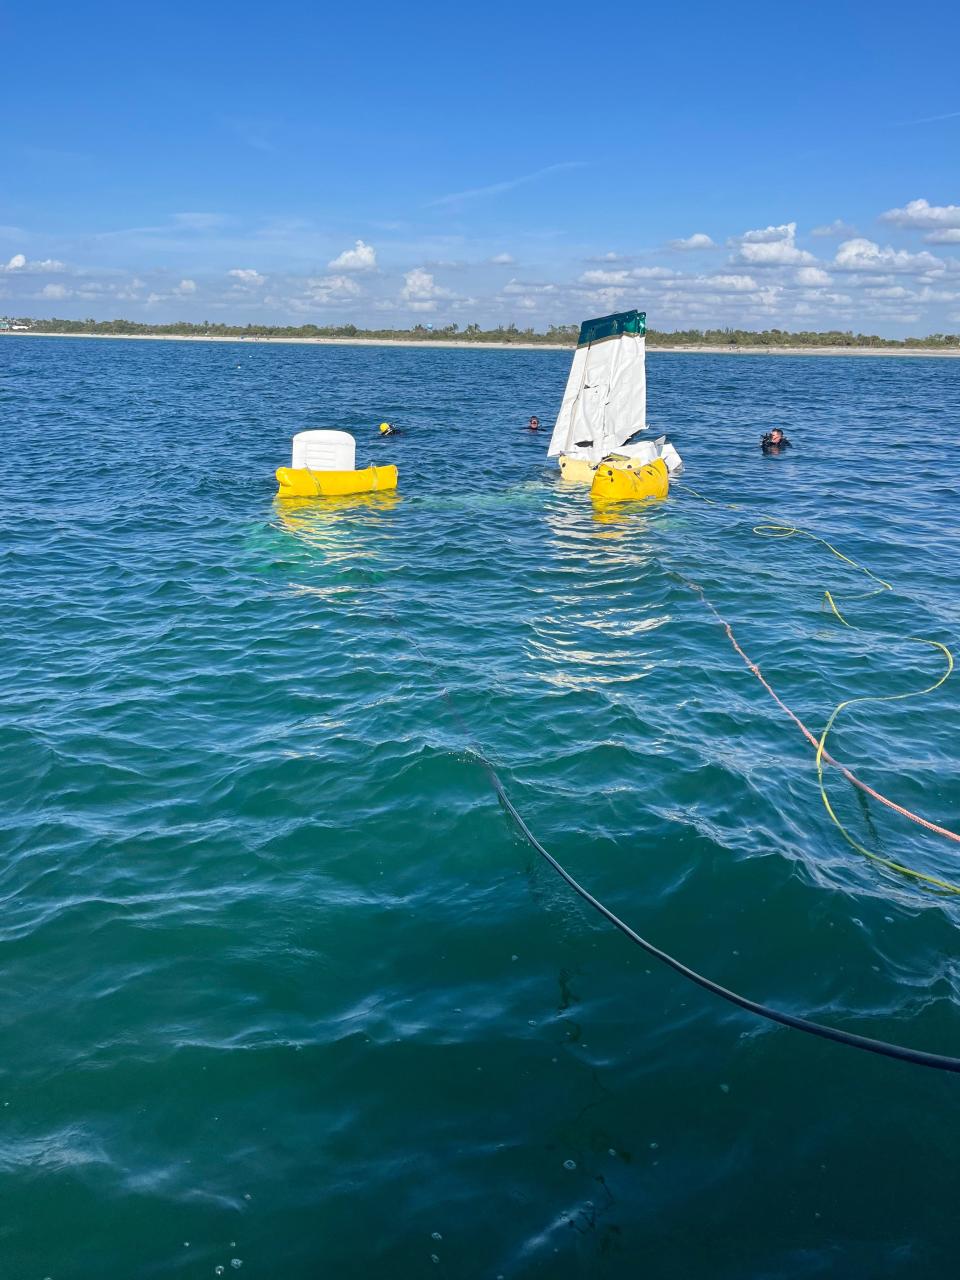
<point x="387" y="164"/>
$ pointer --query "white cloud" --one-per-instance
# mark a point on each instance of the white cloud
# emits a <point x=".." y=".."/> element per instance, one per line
<point x="949" y="235"/>
<point x="247" y="276"/>
<point x="602" y="298"/>
<point x="362" y="257"/>
<point x="922" y="215"/>
<point x="812" y="276"/>
<point x="781" y="254"/>
<point x="54" y="291"/>
<point x="421" y="291"/>
<point x="895" y="291"/>
<point x="835" y="230"/>
<point x="924" y="294"/>
<point x="623" y="276"/>
<point x="502" y="260"/>
<point x="825" y="297"/>
<point x="19" y="263"/>
<point x="185" y="288"/>
<point x="699" y="240"/>
<point x="328" y="289"/>
<point x="604" y="277"/>
<point x="520" y="286"/>
<point x="770" y="235"/>
<point x="730" y="284"/>
<point x="772" y="247"/>
<point x="865" y="255"/>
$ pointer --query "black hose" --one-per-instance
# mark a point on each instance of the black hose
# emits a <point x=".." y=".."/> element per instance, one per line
<point x="919" y="1058"/>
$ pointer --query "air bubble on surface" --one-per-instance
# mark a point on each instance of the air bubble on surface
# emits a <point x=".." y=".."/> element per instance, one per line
<point x="569" y="1164"/>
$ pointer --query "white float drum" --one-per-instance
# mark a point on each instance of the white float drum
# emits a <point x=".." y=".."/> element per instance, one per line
<point x="324" y="451"/>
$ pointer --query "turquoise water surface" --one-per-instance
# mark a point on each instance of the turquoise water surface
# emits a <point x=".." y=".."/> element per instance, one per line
<point x="284" y="990"/>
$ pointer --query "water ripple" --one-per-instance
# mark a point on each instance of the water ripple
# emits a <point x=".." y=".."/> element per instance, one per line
<point x="279" y="968"/>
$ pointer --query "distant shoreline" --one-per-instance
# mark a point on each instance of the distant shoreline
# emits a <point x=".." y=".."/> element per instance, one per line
<point x="702" y="349"/>
<point x="308" y="342"/>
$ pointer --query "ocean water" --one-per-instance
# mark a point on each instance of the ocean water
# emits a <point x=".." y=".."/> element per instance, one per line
<point x="286" y="993"/>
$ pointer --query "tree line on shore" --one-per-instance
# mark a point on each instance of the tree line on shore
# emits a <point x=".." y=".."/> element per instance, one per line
<point x="563" y="335"/>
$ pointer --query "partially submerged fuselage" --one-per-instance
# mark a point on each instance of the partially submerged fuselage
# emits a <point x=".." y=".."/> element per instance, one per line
<point x="605" y="407"/>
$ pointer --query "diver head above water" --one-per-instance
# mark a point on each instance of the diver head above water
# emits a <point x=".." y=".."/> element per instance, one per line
<point x="387" y="429"/>
<point x="534" y="423"/>
<point x="775" y="441"/>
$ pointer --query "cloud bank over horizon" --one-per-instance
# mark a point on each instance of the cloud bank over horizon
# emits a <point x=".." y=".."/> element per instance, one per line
<point x="295" y="272"/>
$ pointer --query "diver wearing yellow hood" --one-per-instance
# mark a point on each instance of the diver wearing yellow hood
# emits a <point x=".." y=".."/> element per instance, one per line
<point x="386" y="429"/>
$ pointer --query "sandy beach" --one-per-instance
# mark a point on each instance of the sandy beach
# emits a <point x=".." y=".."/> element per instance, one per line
<point x="307" y="342"/>
<point x="702" y="349"/>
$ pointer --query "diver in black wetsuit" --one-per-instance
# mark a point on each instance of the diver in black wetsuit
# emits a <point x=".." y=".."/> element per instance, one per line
<point x="775" y="442"/>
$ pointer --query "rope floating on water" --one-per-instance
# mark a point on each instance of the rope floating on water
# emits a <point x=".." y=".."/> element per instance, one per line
<point x="883" y="1048"/>
<point x="778" y="530"/>
<point x="866" y="1044"/>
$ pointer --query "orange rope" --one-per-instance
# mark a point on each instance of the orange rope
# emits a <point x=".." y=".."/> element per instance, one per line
<point x="812" y="738"/>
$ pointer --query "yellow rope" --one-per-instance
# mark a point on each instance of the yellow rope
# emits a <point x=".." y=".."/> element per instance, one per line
<point x="775" y="529"/>
<point x="888" y="697"/>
